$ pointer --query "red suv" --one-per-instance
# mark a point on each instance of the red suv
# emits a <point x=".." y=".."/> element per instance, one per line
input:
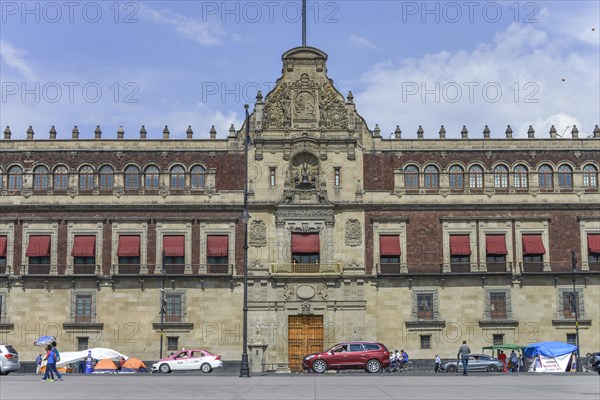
<point x="371" y="356"/>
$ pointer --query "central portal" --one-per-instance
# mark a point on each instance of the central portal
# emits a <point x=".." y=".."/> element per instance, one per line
<point x="305" y="336"/>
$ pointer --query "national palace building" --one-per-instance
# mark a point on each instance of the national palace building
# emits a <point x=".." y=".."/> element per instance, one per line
<point x="415" y="242"/>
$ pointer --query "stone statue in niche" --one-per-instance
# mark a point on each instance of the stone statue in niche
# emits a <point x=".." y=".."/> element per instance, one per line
<point x="304" y="106"/>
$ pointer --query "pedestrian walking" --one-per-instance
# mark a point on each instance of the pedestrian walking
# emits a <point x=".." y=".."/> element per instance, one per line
<point x="463" y="355"/>
<point x="438" y="362"/>
<point x="502" y="357"/>
<point x="514" y="362"/>
<point x="51" y="365"/>
<point x="38" y="363"/>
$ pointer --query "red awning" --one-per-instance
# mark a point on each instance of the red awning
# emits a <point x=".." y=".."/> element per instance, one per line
<point x="129" y="246"/>
<point x="460" y="245"/>
<point x="533" y="245"/>
<point x="495" y="244"/>
<point x="174" y="246"/>
<point x="593" y="243"/>
<point x="39" y="246"/>
<point x="84" y="246"/>
<point x="304" y="243"/>
<point x="217" y="246"/>
<point x="389" y="245"/>
<point x="3" y="241"/>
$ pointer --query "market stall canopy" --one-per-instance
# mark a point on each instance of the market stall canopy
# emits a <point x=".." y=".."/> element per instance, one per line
<point x="548" y="349"/>
<point x="98" y="353"/>
<point x="504" y="347"/>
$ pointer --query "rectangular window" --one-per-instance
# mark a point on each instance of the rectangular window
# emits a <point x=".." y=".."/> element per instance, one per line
<point x="426" y="341"/>
<point x="172" y="343"/>
<point x="129" y="254"/>
<point x="83" y="343"/>
<point x="389" y="249"/>
<point x="498" y="305"/>
<point x="593" y="241"/>
<point x="305" y="252"/>
<point x="3" y="245"/>
<point x="272" y="176"/>
<point x="217" y="254"/>
<point x="174" y="254"/>
<point x="572" y="339"/>
<point x="460" y="253"/>
<point x="425" y="306"/>
<point x="337" y="178"/>
<point x="498" y="339"/>
<point x="570" y="302"/>
<point x="173" y="307"/>
<point x="83" y="308"/>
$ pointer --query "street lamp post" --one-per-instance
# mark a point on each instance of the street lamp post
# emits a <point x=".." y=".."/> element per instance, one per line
<point x="163" y="272"/>
<point x="575" y="306"/>
<point x="244" y="368"/>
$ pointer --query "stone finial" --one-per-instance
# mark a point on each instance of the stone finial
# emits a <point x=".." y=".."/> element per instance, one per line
<point x="75" y="132"/>
<point x="189" y="133"/>
<point x="442" y="132"/>
<point x="97" y="132"/>
<point x="553" y="133"/>
<point x="509" y="132"/>
<point x="575" y="132"/>
<point x="52" y="133"/>
<point x="377" y="131"/>
<point x="120" y="133"/>
<point x="420" y="132"/>
<point x="350" y="97"/>
<point x="596" y="132"/>
<point x="213" y="132"/>
<point x="30" y="133"/>
<point x="166" y="133"/>
<point x="531" y="132"/>
<point x="7" y="132"/>
<point x="259" y="97"/>
<point x="397" y="132"/>
<point x="464" y="133"/>
<point x="486" y="132"/>
<point x="232" y="130"/>
<point x="143" y="132"/>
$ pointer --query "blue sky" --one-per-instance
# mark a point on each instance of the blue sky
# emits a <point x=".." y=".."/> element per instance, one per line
<point x="408" y="63"/>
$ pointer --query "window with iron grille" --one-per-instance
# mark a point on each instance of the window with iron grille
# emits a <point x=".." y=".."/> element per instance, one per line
<point x="83" y="307"/>
<point x="572" y="339"/>
<point x="569" y="302"/>
<point x="425" y="341"/>
<point x="172" y="343"/>
<point x="173" y="307"/>
<point x="83" y="343"/>
<point x="498" y="305"/>
<point x="498" y="339"/>
<point x="425" y="306"/>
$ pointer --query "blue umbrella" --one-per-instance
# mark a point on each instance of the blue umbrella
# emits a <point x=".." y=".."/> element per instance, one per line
<point x="44" y="340"/>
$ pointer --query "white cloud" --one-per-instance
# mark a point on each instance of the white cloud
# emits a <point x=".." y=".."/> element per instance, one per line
<point x="517" y="79"/>
<point x="363" y="42"/>
<point x="15" y="57"/>
<point x="206" y="33"/>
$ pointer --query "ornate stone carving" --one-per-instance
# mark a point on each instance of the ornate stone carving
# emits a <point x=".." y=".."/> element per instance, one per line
<point x="353" y="265"/>
<point x="322" y="293"/>
<point x="288" y="292"/>
<point x="332" y="111"/>
<point x="258" y="293"/>
<point x="353" y="232"/>
<point x="276" y="114"/>
<point x="305" y="292"/>
<point x="305" y="308"/>
<point x="258" y="234"/>
<point x="256" y="265"/>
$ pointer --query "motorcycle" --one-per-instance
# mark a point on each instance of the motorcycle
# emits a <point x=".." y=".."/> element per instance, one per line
<point x="593" y="363"/>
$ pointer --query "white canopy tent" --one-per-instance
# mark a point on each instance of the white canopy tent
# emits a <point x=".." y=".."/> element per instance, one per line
<point x="98" y="353"/>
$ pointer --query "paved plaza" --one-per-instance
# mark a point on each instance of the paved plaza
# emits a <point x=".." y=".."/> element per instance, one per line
<point x="306" y="387"/>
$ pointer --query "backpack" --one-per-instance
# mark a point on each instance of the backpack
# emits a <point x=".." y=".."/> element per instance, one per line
<point x="405" y="357"/>
<point x="56" y="354"/>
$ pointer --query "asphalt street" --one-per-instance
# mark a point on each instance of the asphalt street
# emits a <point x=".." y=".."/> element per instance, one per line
<point x="303" y="386"/>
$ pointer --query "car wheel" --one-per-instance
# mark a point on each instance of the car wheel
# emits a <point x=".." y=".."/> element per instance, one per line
<point x="373" y="366"/>
<point x="164" y="368"/>
<point x="451" y="368"/>
<point x="492" y="368"/>
<point x="319" y="366"/>
<point x="206" y="368"/>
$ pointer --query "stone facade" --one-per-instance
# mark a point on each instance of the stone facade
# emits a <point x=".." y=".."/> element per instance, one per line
<point x="317" y="177"/>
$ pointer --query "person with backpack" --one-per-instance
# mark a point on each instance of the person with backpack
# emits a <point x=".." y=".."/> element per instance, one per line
<point x="51" y="365"/>
<point x="403" y="358"/>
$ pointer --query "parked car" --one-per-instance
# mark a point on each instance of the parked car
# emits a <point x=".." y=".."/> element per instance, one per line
<point x="9" y="359"/>
<point x="370" y="356"/>
<point x="190" y="359"/>
<point x="477" y="362"/>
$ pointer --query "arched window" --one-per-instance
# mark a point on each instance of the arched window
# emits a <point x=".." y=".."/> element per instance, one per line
<point x="432" y="175"/>
<point x="41" y="178"/>
<point x="106" y="174"/>
<point x="177" y="177"/>
<point x="545" y="177"/>
<point x="86" y="178"/>
<point x="132" y="178"/>
<point x="590" y="176"/>
<point x="476" y="177"/>
<point x="520" y="177"/>
<point x="456" y="177"/>
<point x="152" y="177"/>
<point x="565" y="177"/>
<point x="411" y="177"/>
<point x="61" y="178"/>
<point x="15" y="178"/>
<point x="501" y="177"/>
<point x="197" y="177"/>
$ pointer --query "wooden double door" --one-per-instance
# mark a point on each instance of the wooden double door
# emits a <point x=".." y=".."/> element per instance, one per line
<point x="305" y="336"/>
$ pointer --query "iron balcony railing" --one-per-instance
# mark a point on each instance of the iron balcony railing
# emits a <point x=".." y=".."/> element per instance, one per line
<point x="404" y="268"/>
<point x="306" y="269"/>
<point x="173" y="269"/>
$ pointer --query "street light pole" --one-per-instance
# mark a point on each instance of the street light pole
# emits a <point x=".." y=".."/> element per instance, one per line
<point x="163" y="272"/>
<point x="576" y="309"/>
<point x="244" y="368"/>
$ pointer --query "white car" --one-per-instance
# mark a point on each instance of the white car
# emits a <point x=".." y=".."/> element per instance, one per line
<point x="186" y="360"/>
